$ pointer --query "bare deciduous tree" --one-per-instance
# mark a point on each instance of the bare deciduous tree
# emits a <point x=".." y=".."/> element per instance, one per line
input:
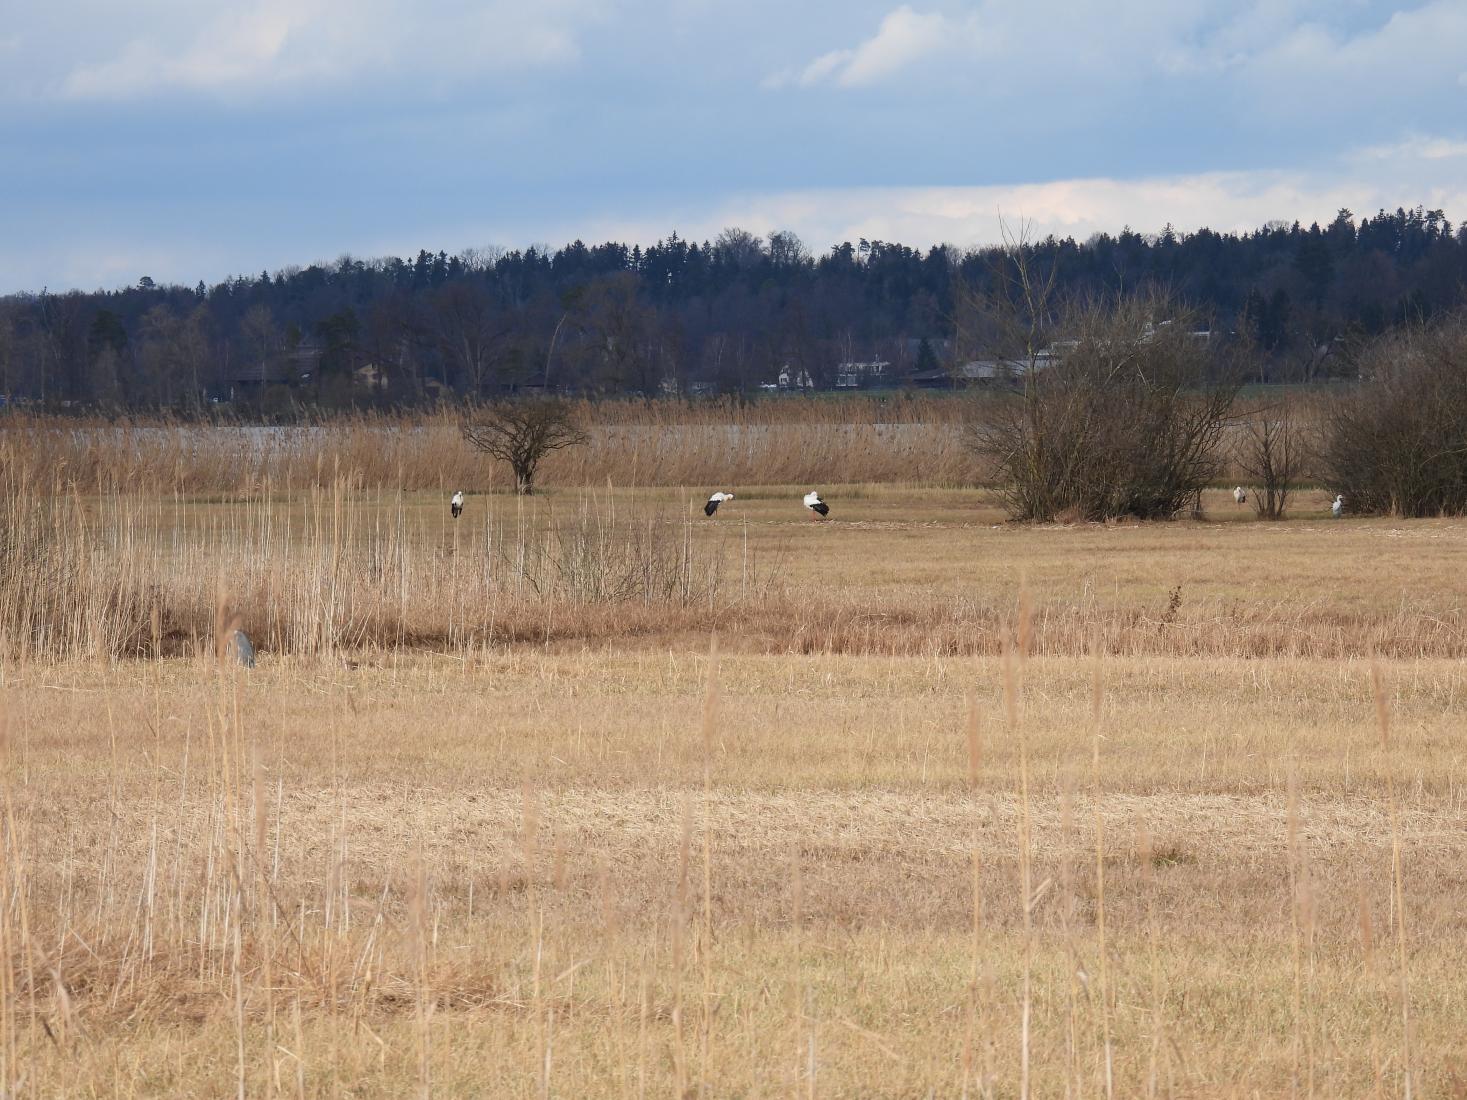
<point x="8" y="344"/>
<point x="522" y="433"/>
<point x="471" y="331"/>
<point x="1273" y="453"/>
<point x="738" y="248"/>
<point x="1127" y="423"/>
<point x="1397" y="443"/>
<point x="260" y="335"/>
<point x="171" y="348"/>
<point x="1010" y="315"/>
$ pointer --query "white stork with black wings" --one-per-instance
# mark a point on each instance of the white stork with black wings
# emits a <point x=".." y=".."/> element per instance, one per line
<point x="456" y="505"/>
<point x="817" y="506"/>
<point x="714" y="501"/>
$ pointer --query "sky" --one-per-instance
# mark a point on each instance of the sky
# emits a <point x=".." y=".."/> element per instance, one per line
<point x="188" y="140"/>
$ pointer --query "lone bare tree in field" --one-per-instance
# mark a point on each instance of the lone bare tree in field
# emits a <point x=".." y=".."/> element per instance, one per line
<point x="522" y="433"/>
<point x="1273" y="453"/>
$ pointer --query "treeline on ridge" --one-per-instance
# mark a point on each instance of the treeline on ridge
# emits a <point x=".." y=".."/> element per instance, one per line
<point x="726" y="316"/>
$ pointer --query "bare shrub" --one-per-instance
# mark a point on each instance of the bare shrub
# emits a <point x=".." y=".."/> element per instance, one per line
<point x="1272" y="452"/>
<point x="522" y="433"/>
<point x="1397" y="443"/>
<point x="1125" y="423"/>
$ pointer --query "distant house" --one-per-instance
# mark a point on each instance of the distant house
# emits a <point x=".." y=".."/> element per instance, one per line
<point x="975" y="372"/>
<point x="852" y="376"/>
<point x="250" y="379"/>
<point x="795" y="379"/>
<point x="1148" y="333"/>
<point x="370" y="377"/>
<point x="288" y="368"/>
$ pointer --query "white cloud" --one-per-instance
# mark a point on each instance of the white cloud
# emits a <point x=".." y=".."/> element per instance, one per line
<point x="265" y="46"/>
<point x="824" y="66"/>
<point x="1416" y="147"/>
<point x="904" y="37"/>
<point x="1404" y="64"/>
<point x="920" y="216"/>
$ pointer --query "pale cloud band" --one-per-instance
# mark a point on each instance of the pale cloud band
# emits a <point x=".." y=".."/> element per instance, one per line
<point x="1079" y="208"/>
<point x="264" y="47"/>
<point x="1367" y="180"/>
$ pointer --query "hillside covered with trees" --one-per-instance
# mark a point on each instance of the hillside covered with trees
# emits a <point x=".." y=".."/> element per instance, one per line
<point x="725" y="316"/>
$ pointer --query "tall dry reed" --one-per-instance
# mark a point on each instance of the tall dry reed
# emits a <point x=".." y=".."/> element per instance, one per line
<point x="912" y="439"/>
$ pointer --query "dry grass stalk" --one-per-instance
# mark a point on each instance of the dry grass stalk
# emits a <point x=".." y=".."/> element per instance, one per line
<point x="979" y="976"/>
<point x="422" y="999"/>
<point x="1301" y="891"/>
<point x="1013" y="669"/>
<point x="1398" y="888"/>
<point x="1373" y="984"/>
<point x="1146" y="856"/>
<point x="1073" y="1083"/>
<point x="1097" y="715"/>
<point x="679" y="949"/>
<point x="710" y="736"/>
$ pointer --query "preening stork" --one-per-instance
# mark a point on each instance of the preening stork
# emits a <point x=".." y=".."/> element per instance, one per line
<point x="456" y="505"/>
<point x="714" y="501"/>
<point x="1240" y="495"/>
<point x="1338" y="506"/>
<point x="817" y="506"/>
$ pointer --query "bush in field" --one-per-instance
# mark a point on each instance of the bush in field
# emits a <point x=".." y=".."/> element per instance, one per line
<point x="522" y="433"/>
<point x="1126" y="422"/>
<point x="1397" y="443"/>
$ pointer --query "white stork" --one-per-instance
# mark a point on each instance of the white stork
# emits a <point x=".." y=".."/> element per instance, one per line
<point x="1240" y="495"/>
<point x="817" y="506"/>
<point x="456" y="505"/>
<point x="714" y="501"/>
<point x="1338" y="506"/>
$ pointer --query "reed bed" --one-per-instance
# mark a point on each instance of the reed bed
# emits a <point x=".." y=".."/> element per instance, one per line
<point x="907" y="439"/>
<point x="325" y="571"/>
<point x="132" y="575"/>
<point x="915" y="439"/>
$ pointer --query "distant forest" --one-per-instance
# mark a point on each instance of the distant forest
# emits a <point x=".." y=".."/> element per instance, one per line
<point x="728" y="316"/>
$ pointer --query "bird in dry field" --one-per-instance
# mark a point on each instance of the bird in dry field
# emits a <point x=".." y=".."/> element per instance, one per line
<point x="817" y="506"/>
<point x="714" y="501"/>
<point x="1240" y="495"/>
<point x="456" y="505"/>
<point x="1338" y="506"/>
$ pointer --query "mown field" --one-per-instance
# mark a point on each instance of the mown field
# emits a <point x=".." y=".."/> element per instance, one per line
<point x="954" y="808"/>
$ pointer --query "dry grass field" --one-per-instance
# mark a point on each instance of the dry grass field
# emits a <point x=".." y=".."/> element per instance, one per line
<point x="956" y="809"/>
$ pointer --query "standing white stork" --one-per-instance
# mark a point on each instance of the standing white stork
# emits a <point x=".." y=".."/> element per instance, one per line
<point x="714" y="501"/>
<point x="1338" y="506"/>
<point x="817" y="506"/>
<point x="1240" y="495"/>
<point x="456" y="505"/>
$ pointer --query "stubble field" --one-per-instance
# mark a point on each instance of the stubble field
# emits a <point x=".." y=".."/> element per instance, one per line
<point x="955" y="808"/>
